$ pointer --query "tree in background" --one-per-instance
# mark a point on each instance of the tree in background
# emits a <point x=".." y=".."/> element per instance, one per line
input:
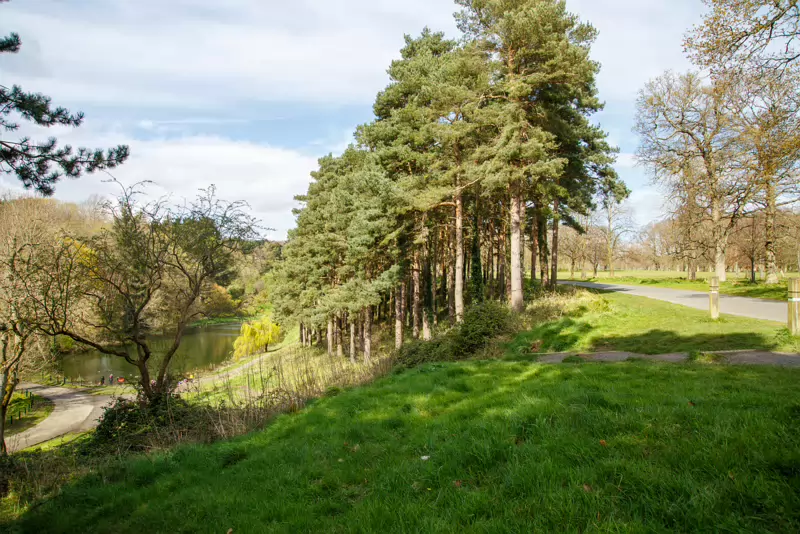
<point x="686" y="129"/>
<point x="28" y="236"/>
<point x="759" y="33"/>
<point x="616" y="217"/>
<point x="491" y="129"/>
<point x="256" y="337"/>
<point x="142" y="274"/>
<point x="40" y="165"/>
<point x="765" y="109"/>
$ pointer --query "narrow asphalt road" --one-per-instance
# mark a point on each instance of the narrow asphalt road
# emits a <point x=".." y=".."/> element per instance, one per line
<point x="74" y="411"/>
<point x="768" y="310"/>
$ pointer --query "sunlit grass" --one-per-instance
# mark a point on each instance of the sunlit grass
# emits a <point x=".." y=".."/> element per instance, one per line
<point x="480" y="447"/>
<point x="26" y="412"/>
<point x="586" y="321"/>
<point x="738" y="285"/>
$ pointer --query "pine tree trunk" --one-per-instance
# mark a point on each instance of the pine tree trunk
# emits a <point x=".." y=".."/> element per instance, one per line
<point x="502" y="290"/>
<point x="554" y="252"/>
<point x="399" y="308"/>
<point x="451" y="289"/>
<point x="434" y="286"/>
<point x="459" y="257"/>
<point x="544" y="250"/>
<point x="534" y="244"/>
<point x="416" y="311"/>
<point x="330" y="336"/>
<point x="352" y="338"/>
<point x="517" y="300"/>
<point x="770" y="215"/>
<point x="339" y="337"/>
<point x="367" y="335"/>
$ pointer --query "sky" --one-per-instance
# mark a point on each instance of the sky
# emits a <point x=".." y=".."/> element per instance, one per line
<point x="248" y="94"/>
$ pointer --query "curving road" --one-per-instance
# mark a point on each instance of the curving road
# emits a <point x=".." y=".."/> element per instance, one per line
<point x="74" y="411"/>
<point x="768" y="310"/>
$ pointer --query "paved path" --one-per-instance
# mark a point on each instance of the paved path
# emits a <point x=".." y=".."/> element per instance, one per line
<point x="731" y="357"/>
<point x="74" y="411"/>
<point x="768" y="310"/>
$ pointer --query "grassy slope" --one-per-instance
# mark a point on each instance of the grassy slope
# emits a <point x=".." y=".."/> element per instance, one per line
<point x="675" y="280"/>
<point x="41" y="409"/>
<point x="512" y="447"/>
<point x="626" y="323"/>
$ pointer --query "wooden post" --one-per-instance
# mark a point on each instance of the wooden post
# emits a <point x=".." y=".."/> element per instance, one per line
<point x="714" y="298"/>
<point x="794" y="307"/>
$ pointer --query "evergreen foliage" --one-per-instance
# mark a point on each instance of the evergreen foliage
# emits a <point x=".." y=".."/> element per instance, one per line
<point x="40" y="165"/>
<point x="486" y="128"/>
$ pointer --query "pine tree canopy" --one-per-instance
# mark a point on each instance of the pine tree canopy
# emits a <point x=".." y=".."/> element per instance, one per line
<point x="472" y="138"/>
<point x="40" y="165"/>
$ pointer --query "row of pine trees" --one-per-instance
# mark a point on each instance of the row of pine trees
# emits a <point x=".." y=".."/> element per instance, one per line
<point x="476" y="144"/>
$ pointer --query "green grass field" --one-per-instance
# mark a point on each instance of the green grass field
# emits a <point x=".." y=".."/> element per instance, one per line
<point x="480" y="447"/>
<point x="24" y="415"/>
<point x="737" y="285"/>
<point x="618" y="322"/>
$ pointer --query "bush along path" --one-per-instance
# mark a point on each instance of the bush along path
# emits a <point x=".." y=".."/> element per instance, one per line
<point x="74" y="411"/>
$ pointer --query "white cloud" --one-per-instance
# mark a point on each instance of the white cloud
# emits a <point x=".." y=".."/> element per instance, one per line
<point x="626" y="160"/>
<point x="647" y="204"/>
<point x="203" y="61"/>
<point x="214" y="54"/>
<point x="266" y="177"/>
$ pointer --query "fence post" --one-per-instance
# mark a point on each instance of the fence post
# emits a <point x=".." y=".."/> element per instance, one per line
<point x="714" y="298"/>
<point x="794" y="307"/>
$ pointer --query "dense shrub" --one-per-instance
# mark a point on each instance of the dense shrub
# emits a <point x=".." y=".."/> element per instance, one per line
<point x="131" y="425"/>
<point x="482" y="323"/>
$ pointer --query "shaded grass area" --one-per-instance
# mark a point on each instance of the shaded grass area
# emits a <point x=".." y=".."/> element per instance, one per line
<point x="27" y="412"/>
<point x="480" y="447"/>
<point x="734" y="286"/>
<point x="587" y="321"/>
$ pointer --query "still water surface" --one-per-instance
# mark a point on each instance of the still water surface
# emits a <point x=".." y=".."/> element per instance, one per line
<point x="201" y="347"/>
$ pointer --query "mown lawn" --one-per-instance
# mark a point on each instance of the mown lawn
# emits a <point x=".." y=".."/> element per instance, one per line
<point x="735" y="286"/>
<point x="480" y="447"/>
<point x="617" y="322"/>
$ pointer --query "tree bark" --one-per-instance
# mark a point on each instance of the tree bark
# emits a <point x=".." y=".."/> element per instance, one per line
<point x="534" y="244"/>
<point x="554" y="252"/>
<point x="399" y="309"/>
<point x="352" y="338"/>
<point x="459" y="257"/>
<point x="517" y="297"/>
<point x="720" y="241"/>
<point x="339" y="337"/>
<point x="416" y="310"/>
<point x="367" y="335"/>
<point x="541" y="228"/>
<point x="330" y="336"/>
<point x="770" y="215"/>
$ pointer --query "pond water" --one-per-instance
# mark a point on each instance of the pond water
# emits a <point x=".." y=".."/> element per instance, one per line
<point x="201" y="348"/>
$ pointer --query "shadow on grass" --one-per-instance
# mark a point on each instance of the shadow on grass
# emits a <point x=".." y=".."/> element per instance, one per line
<point x="486" y="446"/>
<point x="663" y="342"/>
<point x="571" y="335"/>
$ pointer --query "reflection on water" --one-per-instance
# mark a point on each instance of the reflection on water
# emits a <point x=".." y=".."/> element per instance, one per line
<point x="200" y="348"/>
